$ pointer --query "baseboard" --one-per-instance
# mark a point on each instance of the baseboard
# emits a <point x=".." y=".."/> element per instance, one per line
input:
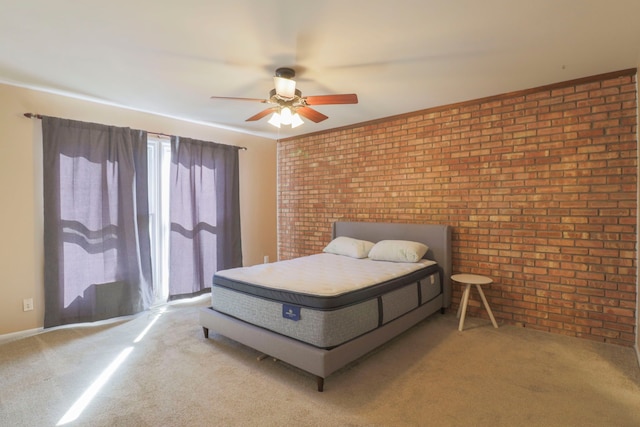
<point x="30" y="332"/>
<point x="19" y="335"/>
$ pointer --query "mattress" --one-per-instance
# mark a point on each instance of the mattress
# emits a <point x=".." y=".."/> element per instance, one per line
<point x="325" y="300"/>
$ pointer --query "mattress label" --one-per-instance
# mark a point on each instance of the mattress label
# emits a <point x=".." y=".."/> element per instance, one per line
<point x="291" y="312"/>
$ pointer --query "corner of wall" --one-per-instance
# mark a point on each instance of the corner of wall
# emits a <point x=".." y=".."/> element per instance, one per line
<point x="637" y="346"/>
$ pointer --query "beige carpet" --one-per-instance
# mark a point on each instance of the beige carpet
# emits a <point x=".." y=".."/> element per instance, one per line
<point x="432" y="375"/>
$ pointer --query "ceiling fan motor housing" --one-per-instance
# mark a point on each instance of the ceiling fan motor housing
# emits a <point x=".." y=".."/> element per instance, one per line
<point x="285" y="73"/>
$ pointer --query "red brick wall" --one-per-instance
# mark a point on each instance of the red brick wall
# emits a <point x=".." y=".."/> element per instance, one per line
<point x="539" y="186"/>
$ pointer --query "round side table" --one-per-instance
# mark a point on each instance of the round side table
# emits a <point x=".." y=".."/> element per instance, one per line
<point x="478" y="281"/>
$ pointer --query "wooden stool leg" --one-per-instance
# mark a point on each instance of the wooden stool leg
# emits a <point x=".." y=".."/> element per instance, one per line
<point x="486" y="305"/>
<point x="462" y="310"/>
<point x="464" y="292"/>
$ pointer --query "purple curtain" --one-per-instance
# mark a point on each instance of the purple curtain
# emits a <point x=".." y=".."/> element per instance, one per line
<point x="204" y="214"/>
<point x="96" y="222"/>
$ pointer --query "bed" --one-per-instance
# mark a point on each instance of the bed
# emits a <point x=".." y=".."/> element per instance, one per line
<point x="271" y="308"/>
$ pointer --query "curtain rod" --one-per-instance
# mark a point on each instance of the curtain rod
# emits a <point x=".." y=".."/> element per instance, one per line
<point x="39" y="116"/>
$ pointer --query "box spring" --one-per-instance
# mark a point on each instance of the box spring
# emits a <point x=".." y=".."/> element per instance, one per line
<point x="328" y="324"/>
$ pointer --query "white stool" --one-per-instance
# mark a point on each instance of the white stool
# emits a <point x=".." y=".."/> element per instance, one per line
<point x="468" y="280"/>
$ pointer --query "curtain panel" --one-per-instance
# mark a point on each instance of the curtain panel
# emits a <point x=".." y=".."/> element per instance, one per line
<point x="204" y="214"/>
<point x="96" y="222"/>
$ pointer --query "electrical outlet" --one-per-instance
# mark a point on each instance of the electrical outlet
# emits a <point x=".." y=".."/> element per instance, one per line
<point x="27" y="304"/>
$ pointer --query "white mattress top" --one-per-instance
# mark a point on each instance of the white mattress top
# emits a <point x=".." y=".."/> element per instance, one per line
<point x="322" y="274"/>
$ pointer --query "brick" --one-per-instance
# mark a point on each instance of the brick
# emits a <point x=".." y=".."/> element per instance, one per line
<point x="540" y="188"/>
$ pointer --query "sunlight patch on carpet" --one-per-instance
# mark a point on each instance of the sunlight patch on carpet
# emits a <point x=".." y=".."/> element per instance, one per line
<point x="79" y="406"/>
<point x="143" y="333"/>
<point x="74" y="412"/>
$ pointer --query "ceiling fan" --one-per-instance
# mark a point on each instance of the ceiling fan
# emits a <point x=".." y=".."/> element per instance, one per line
<point x="288" y="104"/>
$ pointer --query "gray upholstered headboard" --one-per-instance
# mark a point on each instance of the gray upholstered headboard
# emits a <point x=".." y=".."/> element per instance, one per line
<point x="436" y="237"/>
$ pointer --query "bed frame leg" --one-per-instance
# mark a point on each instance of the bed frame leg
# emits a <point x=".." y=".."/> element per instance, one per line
<point x="442" y="310"/>
<point x="206" y="332"/>
<point x="320" y="382"/>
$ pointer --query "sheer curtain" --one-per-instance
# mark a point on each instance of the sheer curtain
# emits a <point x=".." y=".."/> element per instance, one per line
<point x="96" y="242"/>
<point x="204" y="214"/>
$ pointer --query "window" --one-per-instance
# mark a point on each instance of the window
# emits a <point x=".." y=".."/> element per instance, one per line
<point x="159" y="164"/>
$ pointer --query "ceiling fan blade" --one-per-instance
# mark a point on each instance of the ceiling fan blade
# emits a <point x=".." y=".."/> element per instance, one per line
<point x="311" y="114"/>
<point x="240" y="99"/>
<point x="350" y="98"/>
<point x="260" y="115"/>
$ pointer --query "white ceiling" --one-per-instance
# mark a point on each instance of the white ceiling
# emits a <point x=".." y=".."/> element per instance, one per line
<point x="399" y="56"/>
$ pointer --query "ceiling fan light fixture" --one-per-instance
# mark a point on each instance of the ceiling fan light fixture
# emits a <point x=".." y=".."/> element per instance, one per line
<point x="285" y="116"/>
<point x="296" y="120"/>
<point x="275" y="120"/>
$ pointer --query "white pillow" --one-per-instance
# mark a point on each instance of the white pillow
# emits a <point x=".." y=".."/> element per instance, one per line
<point x="398" y="251"/>
<point x="348" y="246"/>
